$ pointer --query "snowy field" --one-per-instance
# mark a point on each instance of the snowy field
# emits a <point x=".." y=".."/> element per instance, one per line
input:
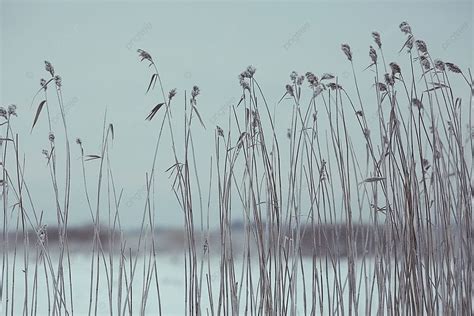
<point x="172" y="287"/>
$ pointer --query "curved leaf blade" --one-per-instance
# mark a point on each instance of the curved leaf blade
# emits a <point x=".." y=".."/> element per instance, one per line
<point x="38" y="111"/>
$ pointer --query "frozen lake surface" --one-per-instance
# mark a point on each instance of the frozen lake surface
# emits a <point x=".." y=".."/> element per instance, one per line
<point x="172" y="285"/>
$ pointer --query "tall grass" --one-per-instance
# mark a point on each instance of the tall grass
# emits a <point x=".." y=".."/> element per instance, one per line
<point x="337" y="219"/>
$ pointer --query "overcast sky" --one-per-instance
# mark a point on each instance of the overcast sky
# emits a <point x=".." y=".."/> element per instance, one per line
<point x="93" y="47"/>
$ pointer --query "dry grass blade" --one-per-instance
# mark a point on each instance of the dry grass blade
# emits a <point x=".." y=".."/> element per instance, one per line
<point x="241" y="99"/>
<point x="199" y="116"/>
<point x="372" y="179"/>
<point x="111" y="127"/>
<point x="408" y="43"/>
<point x="436" y="86"/>
<point x="153" y="111"/>
<point x="152" y="82"/>
<point x="38" y="111"/>
<point x="173" y="166"/>
<point x="92" y="157"/>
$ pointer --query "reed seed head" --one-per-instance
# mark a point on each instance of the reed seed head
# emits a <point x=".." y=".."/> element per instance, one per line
<point x="439" y="64"/>
<point x="195" y="92"/>
<point x="289" y="90"/>
<point x="144" y="55"/>
<point x="43" y="84"/>
<point x="245" y="85"/>
<point x="318" y="90"/>
<point x="373" y="54"/>
<point x="405" y="27"/>
<point x="454" y="68"/>
<point x="425" y="62"/>
<point x="395" y="68"/>
<point x="249" y="72"/>
<point x="376" y="36"/>
<point x="12" y="110"/>
<point x="171" y="94"/>
<point x="312" y="79"/>
<point x="421" y="46"/>
<point x="334" y="86"/>
<point x="300" y="80"/>
<point x="293" y="76"/>
<point x="346" y="49"/>
<point x="389" y="79"/>
<point x="381" y="86"/>
<point x="49" y="68"/>
<point x="58" y="80"/>
<point x="3" y="112"/>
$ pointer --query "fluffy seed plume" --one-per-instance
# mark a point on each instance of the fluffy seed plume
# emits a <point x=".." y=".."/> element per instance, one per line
<point x="373" y="54"/>
<point x="58" y="80"/>
<point x="171" y="94"/>
<point x="195" y="92"/>
<point x="421" y="46"/>
<point x="376" y="36"/>
<point x="405" y="27"/>
<point x="3" y="112"/>
<point x="43" y="84"/>
<point x="289" y="90"/>
<point x="245" y="85"/>
<point x="334" y="86"/>
<point x="381" y="87"/>
<point x="49" y="68"/>
<point x="293" y="76"/>
<point x="144" y="55"/>
<point x="300" y="80"/>
<point x="312" y="79"/>
<point x="395" y="68"/>
<point x="439" y="64"/>
<point x="389" y="79"/>
<point x="318" y="90"/>
<point x="425" y="62"/>
<point x="346" y="49"/>
<point x="12" y="110"/>
<point x="454" y="68"/>
<point x="249" y="72"/>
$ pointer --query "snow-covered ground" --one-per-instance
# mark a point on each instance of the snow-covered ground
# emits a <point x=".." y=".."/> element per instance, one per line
<point x="172" y="286"/>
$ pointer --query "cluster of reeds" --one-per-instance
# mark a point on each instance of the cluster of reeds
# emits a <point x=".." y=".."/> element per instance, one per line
<point x="406" y="172"/>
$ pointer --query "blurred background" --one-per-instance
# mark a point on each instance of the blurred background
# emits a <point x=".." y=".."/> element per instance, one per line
<point x="93" y="47"/>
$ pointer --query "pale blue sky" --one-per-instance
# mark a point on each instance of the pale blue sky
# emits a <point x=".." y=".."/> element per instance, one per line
<point x="93" y="47"/>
